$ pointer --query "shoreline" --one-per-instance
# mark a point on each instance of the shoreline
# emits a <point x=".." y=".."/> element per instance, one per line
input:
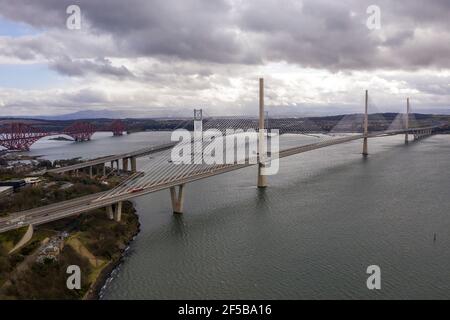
<point x="29" y="286"/>
<point x="107" y="272"/>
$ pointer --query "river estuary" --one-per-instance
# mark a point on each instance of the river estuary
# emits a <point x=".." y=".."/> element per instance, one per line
<point x="325" y="217"/>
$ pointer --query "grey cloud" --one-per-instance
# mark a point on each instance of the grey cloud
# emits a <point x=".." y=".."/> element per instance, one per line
<point x="190" y="29"/>
<point x="100" y="66"/>
<point x="313" y="33"/>
<point x="37" y="101"/>
<point x="438" y="85"/>
<point x="26" y="48"/>
<point x="323" y="34"/>
<point x="85" y="97"/>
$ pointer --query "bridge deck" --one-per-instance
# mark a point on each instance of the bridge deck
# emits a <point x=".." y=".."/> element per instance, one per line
<point x="162" y="176"/>
<point x="138" y="153"/>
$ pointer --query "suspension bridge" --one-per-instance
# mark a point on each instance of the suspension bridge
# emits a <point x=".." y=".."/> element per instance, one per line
<point x="161" y="172"/>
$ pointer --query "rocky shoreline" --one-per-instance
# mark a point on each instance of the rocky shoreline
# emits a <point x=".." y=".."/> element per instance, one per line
<point x="101" y="282"/>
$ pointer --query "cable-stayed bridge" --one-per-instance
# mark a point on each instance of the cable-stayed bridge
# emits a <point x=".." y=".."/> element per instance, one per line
<point x="162" y="172"/>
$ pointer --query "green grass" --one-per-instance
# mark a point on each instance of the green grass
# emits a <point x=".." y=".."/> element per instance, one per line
<point x="104" y="238"/>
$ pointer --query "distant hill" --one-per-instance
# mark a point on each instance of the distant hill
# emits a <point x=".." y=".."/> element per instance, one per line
<point x="105" y="115"/>
<point x="183" y="113"/>
<point x="85" y="114"/>
<point x="339" y="123"/>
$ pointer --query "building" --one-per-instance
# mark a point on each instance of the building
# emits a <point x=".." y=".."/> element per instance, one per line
<point x="16" y="184"/>
<point x="33" y="181"/>
<point x="6" y="191"/>
<point x="52" y="248"/>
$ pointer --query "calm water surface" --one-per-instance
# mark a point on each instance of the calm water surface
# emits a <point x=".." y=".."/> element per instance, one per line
<point x="311" y="234"/>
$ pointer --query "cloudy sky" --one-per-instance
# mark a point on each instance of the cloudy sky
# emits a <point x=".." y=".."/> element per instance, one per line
<point x="166" y="57"/>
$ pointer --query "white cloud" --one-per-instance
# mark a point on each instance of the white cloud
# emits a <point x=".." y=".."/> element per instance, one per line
<point x="315" y="55"/>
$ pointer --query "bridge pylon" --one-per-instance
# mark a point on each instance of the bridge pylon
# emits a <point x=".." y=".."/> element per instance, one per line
<point x="366" y="125"/>
<point x="262" y="179"/>
<point x="407" y="121"/>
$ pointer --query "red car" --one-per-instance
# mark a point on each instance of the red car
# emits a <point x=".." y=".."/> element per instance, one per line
<point x="136" y="190"/>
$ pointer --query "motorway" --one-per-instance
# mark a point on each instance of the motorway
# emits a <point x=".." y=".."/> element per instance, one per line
<point x="44" y="214"/>
<point x="56" y="211"/>
<point x="138" y="153"/>
<point x="146" y="151"/>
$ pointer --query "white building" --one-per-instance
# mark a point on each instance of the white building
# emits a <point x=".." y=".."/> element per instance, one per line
<point x="34" y="181"/>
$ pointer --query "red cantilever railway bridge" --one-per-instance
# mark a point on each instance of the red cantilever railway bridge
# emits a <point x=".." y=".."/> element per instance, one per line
<point x="20" y="136"/>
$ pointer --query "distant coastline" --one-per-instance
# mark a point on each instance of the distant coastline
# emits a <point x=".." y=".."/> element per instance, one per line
<point x="60" y="139"/>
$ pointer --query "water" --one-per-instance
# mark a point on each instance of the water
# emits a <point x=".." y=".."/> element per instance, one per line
<point x="102" y="144"/>
<point x="311" y="234"/>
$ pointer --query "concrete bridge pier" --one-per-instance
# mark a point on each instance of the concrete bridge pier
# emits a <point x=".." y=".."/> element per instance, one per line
<point x="366" y="126"/>
<point x="115" y="163"/>
<point x="118" y="211"/>
<point x="365" y="152"/>
<point x="110" y="212"/>
<point x="99" y="169"/>
<point x="419" y="134"/>
<point x="133" y="164"/>
<point x="114" y="211"/>
<point x="177" y="198"/>
<point x="93" y="170"/>
<point x="125" y="164"/>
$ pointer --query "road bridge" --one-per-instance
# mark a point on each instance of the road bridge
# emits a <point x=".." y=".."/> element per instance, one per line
<point x="128" y="161"/>
<point x="161" y="173"/>
<point x="127" y="191"/>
